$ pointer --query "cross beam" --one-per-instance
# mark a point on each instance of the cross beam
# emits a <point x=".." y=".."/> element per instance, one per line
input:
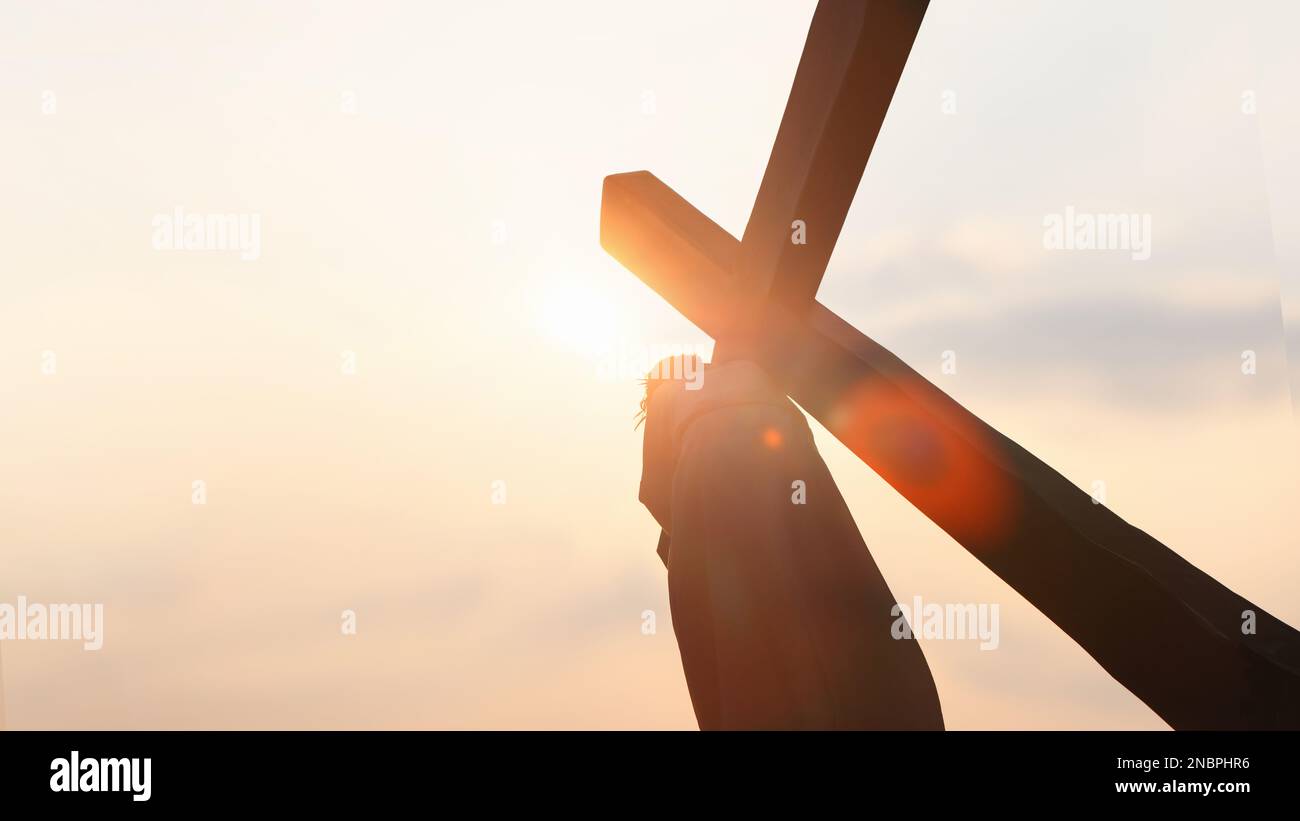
<point x="1165" y="630"/>
<point x="837" y="106"/>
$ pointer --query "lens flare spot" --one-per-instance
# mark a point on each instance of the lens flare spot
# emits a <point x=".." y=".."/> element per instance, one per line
<point x="943" y="464"/>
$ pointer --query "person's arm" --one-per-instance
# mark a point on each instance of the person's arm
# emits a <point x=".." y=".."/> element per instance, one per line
<point x="662" y="548"/>
<point x="781" y="615"/>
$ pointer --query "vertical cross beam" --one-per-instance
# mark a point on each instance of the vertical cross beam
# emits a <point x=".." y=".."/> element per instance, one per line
<point x="852" y="62"/>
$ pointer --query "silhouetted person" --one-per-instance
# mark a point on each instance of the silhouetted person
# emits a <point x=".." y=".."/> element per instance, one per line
<point x="781" y="616"/>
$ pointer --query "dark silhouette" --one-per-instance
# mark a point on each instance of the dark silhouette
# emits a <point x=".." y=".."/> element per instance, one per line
<point x="782" y="618"/>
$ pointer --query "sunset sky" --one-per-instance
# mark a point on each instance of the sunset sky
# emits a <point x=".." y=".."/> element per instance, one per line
<point x="427" y="178"/>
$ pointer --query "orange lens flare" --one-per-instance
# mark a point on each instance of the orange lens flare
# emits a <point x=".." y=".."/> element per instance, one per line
<point x="943" y="471"/>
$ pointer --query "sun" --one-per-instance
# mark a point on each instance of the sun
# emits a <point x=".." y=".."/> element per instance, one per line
<point x="578" y="320"/>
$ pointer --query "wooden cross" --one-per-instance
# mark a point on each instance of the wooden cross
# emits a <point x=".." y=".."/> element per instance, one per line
<point x="1165" y="630"/>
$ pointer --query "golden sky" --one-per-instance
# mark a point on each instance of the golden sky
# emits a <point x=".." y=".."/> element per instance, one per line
<point x="427" y="180"/>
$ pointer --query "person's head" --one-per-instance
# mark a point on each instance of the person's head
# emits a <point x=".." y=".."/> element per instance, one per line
<point x="685" y="368"/>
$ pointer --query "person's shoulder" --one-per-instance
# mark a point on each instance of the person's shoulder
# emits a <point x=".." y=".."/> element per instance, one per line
<point x="730" y="384"/>
<point x="743" y="380"/>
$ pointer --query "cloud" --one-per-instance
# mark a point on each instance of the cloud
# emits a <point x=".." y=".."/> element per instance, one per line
<point x="1134" y="351"/>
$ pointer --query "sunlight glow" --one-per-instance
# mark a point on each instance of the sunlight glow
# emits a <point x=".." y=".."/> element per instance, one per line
<point x="577" y="320"/>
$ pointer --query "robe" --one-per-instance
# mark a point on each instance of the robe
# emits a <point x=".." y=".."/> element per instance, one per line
<point x="781" y="616"/>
